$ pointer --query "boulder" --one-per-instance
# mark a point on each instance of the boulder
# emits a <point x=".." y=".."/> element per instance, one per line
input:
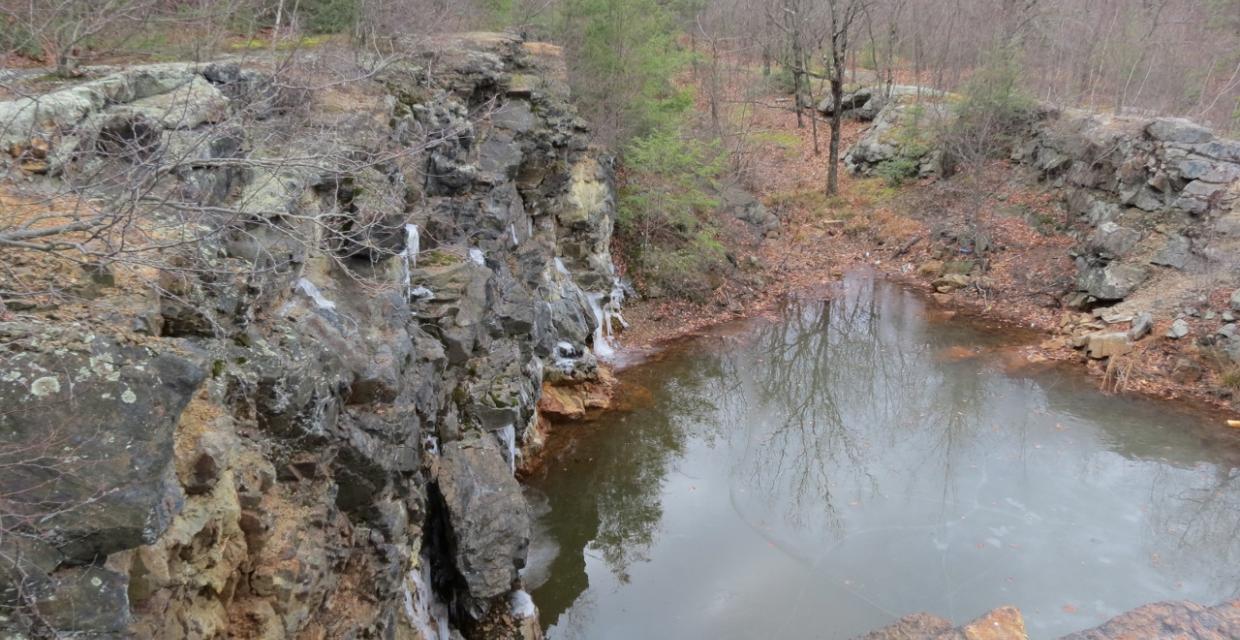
<point x="1178" y="131"/>
<point x="99" y="416"/>
<point x="1234" y="301"/>
<point x="1112" y="282"/>
<point x="1003" y="623"/>
<point x="487" y="514"/>
<point x="191" y="105"/>
<point x="1170" y="620"/>
<point x="1113" y="240"/>
<point x="1141" y="326"/>
<point x="1178" y="329"/>
<point x="1176" y="253"/>
<point x="1106" y="344"/>
<point x="88" y="601"/>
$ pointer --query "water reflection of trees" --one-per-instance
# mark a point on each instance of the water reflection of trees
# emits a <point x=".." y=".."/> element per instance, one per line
<point x="833" y="384"/>
<point x="607" y="490"/>
<point x="1196" y="517"/>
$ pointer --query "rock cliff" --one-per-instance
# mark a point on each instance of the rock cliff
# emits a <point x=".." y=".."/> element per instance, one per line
<point x="1153" y="204"/>
<point x="298" y="415"/>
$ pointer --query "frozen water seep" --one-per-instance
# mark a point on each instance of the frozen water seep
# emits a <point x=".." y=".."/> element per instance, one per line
<point x="409" y="257"/>
<point x="477" y="257"/>
<point x="559" y="266"/>
<point x="431" y="444"/>
<point x="426" y="613"/>
<point x="566" y="356"/>
<point x="522" y="605"/>
<point x="421" y="293"/>
<point x="508" y="436"/>
<point x="606" y="308"/>
<point x="512" y="231"/>
<point x="311" y="291"/>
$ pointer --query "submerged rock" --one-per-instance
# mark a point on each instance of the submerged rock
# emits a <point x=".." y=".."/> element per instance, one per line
<point x="1004" y="623"/>
<point x="1170" y="620"/>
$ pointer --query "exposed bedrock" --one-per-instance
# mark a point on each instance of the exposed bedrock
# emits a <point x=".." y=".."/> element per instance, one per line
<point x="305" y="424"/>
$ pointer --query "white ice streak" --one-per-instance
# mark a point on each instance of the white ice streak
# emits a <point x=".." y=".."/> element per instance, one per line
<point x="477" y="257"/>
<point x="508" y="435"/>
<point x="425" y="612"/>
<point x="320" y="301"/>
<point x="409" y="257"/>
<point x="522" y="605"/>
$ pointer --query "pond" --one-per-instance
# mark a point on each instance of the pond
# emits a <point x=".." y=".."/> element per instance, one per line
<point x="822" y="474"/>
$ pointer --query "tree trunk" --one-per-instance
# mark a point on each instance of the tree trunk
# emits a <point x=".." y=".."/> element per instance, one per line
<point x="833" y="150"/>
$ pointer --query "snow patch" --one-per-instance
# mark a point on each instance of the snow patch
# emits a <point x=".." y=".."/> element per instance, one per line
<point x="477" y="257"/>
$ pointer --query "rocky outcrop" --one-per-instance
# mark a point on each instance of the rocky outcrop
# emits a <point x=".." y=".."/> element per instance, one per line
<point x="1153" y="203"/>
<point x="305" y="422"/>
<point x="1158" y="193"/>
<point x="900" y="138"/>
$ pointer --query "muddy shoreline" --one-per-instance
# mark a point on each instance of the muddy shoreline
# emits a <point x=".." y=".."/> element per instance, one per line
<point x="646" y="344"/>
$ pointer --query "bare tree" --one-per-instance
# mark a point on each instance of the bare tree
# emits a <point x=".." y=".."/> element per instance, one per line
<point x="843" y="13"/>
<point x="62" y="28"/>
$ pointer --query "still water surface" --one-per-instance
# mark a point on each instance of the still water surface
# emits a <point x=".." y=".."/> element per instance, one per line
<point x="821" y="475"/>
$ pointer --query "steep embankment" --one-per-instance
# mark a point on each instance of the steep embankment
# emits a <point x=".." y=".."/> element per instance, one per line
<point x="284" y="392"/>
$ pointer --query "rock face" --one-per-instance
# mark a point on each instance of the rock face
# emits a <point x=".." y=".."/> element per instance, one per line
<point x="900" y="133"/>
<point x="1145" y="195"/>
<point x="309" y="428"/>
<point x="1155" y="191"/>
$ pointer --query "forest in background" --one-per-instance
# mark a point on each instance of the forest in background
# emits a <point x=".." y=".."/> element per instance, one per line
<point x="669" y="85"/>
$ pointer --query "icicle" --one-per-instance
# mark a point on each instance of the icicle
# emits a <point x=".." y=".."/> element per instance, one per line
<point x="512" y="231"/>
<point x="522" y="605"/>
<point x="409" y="257"/>
<point x="529" y="227"/>
<point x="509" y="436"/>
<point x="425" y="612"/>
<point x="602" y="332"/>
<point x="477" y="257"/>
<point x="308" y="288"/>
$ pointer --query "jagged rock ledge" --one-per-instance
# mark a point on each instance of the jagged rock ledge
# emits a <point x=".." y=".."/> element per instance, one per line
<point x="306" y="422"/>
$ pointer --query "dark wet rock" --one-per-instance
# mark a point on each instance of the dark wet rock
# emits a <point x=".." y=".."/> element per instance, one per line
<point x="98" y="417"/>
<point x="488" y="515"/>
<point x="88" y="601"/>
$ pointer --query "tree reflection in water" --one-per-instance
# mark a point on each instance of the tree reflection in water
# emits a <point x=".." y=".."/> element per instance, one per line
<point x="863" y="444"/>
